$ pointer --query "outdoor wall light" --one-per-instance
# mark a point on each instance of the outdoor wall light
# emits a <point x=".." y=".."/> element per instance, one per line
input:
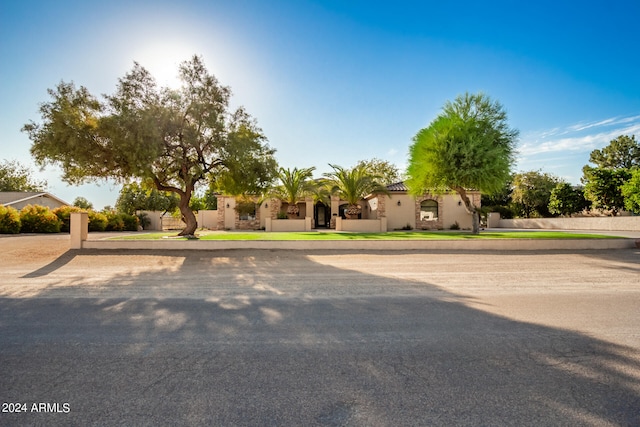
<point x="399" y="203"/>
<point x="459" y="202"/>
<point x="227" y="205"/>
<point x="266" y="205"/>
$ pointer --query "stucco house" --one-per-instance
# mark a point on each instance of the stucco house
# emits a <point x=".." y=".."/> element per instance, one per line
<point x="381" y="212"/>
<point x="18" y="199"/>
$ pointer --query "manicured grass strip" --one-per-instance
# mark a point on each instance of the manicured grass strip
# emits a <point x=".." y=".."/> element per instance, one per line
<point x="417" y="235"/>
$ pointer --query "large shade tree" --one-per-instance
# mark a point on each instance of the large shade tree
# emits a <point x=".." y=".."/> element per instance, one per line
<point x="469" y="145"/>
<point x="174" y="137"/>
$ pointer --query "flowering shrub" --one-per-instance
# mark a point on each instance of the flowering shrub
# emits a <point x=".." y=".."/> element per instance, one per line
<point x="97" y="221"/>
<point x="39" y="219"/>
<point x="64" y="215"/>
<point x="9" y="220"/>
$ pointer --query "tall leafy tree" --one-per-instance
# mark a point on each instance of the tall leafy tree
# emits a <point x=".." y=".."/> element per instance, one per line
<point x="352" y="185"/>
<point x="174" y="137"/>
<point x="469" y="145"/>
<point x="82" y="203"/>
<point x="603" y="188"/>
<point x="387" y="171"/>
<point x="621" y="153"/>
<point x="14" y="176"/>
<point x="566" y="199"/>
<point x="532" y="191"/>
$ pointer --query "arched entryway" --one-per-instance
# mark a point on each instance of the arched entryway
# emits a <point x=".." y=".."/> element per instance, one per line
<point x="321" y="215"/>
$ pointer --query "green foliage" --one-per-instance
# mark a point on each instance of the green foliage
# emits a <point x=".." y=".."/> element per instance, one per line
<point x="97" y="221"/>
<point x="387" y="171"/>
<point x="245" y="207"/>
<point x="17" y="177"/>
<point x="64" y="215"/>
<point x="9" y="220"/>
<point x="39" y="219"/>
<point x="143" y="197"/>
<point x="197" y="203"/>
<point x="603" y="187"/>
<point x="469" y="145"/>
<point x="506" y="212"/>
<point x="531" y="193"/>
<point x="175" y="138"/>
<point x="121" y="222"/>
<point x="295" y="184"/>
<point x="82" y="203"/>
<point x="567" y="200"/>
<point x="353" y="185"/>
<point x="621" y="153"/>
<point x="631" y="192"/>
<point x="144" y="220"/>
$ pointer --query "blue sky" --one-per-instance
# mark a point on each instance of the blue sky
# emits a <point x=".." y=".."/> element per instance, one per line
<point x="337" y="81"/>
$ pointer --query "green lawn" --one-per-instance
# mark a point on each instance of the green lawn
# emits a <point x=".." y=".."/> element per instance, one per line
<point x="399" y="235"/>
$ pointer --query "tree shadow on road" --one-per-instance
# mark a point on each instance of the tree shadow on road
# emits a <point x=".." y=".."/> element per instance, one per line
<point x="289" y="338"/>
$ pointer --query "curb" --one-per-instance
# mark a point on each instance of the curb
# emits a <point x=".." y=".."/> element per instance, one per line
<point x="388" y="245"/>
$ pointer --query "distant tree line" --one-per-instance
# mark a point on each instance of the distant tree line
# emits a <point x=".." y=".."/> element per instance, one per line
<point x="611" y="183"/>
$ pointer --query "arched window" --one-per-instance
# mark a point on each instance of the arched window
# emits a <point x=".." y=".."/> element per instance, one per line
<point x="429" y="210"/>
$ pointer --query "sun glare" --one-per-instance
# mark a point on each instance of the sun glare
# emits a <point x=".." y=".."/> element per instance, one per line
<point x="162" y="61"/>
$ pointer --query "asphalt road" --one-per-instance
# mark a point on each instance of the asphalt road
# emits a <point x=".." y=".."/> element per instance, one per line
<point x="324" y="338"/>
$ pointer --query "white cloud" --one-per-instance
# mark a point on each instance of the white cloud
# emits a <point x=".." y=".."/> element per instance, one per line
<point x="579" y="137"/>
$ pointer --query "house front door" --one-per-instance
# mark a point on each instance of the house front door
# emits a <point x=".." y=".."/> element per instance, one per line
<point x="322" y="215"/>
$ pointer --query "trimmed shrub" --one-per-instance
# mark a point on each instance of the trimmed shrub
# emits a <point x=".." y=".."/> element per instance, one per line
<point x="64" y="215"/>
<point x="9" y="220"/>
<point x="97" y="221"/>
<point x="39" y="219"/>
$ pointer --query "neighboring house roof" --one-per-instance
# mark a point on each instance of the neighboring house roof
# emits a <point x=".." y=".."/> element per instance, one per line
<point x="9" y="198"/>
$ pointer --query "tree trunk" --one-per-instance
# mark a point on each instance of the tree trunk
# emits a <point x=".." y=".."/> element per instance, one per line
<point x="185" y="197"/>
<point x="187" y="216"/>
<point x="352" y="211"/>
<point x="471" y="209"/>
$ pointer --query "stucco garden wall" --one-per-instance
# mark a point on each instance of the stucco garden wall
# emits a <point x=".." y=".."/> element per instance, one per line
<point x="288" y="225"/>
<point x="361" y="225"/>
<point x="622" y="223"/>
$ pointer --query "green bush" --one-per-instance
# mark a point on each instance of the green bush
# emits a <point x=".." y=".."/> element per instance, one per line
<point x="131" y="222"/>
<point x="64" y="215"/>
<point x="97" y="221"/>
<point x="9" y="220"/>
<point x="121" y="222"/>
<point x="39" y="219"/>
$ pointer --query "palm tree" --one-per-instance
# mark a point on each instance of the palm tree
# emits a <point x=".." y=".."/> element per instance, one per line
<point x="294" y="185"/>
<point x="352" y="185"/>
